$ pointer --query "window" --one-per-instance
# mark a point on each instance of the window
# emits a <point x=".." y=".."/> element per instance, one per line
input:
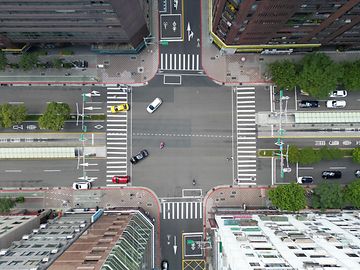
<point x="300" y="254"/>
<point x="352" y="255"/>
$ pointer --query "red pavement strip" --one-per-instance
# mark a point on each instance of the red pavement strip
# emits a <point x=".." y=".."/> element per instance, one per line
<point x="210" y="192"/>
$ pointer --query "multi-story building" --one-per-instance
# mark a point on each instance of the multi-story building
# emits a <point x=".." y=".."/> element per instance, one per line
<point x="118" y="239"/>
<point x="255" y="25"/>
<point x="87" y="22"/>
<point x="303" y="241"/>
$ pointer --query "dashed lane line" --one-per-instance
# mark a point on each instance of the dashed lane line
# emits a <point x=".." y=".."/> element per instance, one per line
<point x="182" y="135"/>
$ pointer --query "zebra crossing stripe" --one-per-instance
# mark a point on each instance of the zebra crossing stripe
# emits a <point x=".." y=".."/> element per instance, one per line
<point x="170" y="67"/>
<point x="184" y="62"/>
<point x="177" y="210"/>
<point x="162" y="61"/>
<point x="197" y="62"/>
<point x="182" y="210"/>
<point x="193" y="62"/>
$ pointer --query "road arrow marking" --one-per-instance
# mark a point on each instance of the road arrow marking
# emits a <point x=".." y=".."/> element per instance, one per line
<point x="175" y="245"/>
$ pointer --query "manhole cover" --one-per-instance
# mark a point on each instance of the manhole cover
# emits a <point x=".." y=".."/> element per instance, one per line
<point x="140" y="69"/>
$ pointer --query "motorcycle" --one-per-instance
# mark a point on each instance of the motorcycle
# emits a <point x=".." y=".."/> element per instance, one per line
<point x="162" y="145"/>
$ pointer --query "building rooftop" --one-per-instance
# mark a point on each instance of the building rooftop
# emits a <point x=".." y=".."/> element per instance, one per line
<point x="312" y="241"/>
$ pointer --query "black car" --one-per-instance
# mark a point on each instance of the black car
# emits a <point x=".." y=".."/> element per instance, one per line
<point x="309" y="104"/>
<point x="305" y="179"/>
<point x="331" y="174"/>
<point x="357" y="173"/>
<point x="140" y="156"/>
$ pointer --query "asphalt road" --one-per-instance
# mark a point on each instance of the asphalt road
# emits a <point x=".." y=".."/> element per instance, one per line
<point x="48" y="173"/>
<point x="194" y="121"/>
<point x="171" y="235"/>
<point x="35" y="98"/>
<point x="352" y="101"/>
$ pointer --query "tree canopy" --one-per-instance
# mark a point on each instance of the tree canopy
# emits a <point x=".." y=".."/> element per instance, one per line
<point x="54" y="116"/>
<point x="352" y="193"/>
<point x="319" y="74"/>
<point x="12" y="114"/>
<point x="356" y="155"/>
<point x="283" y="73"/>
<point x="289" y="197"/>
<point x="351" y="78"/>
<point x="3" y="60"/>
<point x="28" y="61"/>
<point x="327" y="195"/>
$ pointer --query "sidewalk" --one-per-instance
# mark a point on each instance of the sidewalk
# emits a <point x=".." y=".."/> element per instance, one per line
<point x="244" y="68"/>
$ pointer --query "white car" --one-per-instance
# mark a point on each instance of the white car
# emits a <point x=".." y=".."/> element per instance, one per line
<point x="154" y="105"/>
<point x="338" y="93"/>
<point x="81" y="185"/>
<point x="335" y="103"/>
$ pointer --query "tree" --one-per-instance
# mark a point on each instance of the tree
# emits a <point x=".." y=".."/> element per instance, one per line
<point x="356" y="155"/>
<point x="319" y="74"/>
<point x="283" y="73"/>
<point x="12" y="114"/>
<point x="351" y="77"/>
<point x="289" y="197"/>
<point x="352" y="193"/>
<point x="57" y="63"/>
<point x="6" y="204"/>
<point x="293" y="154"/>
<point x="330" y="153"/>
<point x="54" y="116"/>
<point x="327" y="195"/>
<point x="3" y="60"/>
<point x="308" y="156"/>
<point x="28" y="61"/>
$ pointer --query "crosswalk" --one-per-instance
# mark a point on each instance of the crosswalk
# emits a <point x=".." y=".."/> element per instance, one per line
<point x="174" y="61"/>
<point x="246" y="135"/>
<point x="181" y="210"/>
<point x="116" y="135"/>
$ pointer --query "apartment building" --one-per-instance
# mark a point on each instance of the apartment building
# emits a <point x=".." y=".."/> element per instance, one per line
<point x="98" y="23"/>
<point x="259" y="25"/>
<point x="304" y="241"/>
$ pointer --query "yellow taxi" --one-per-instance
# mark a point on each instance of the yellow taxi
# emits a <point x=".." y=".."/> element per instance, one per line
<point x="120" y="108"/>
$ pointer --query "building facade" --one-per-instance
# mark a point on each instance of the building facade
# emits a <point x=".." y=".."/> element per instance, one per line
<point x="303" y="241"/>
<point x="276" y="24"/>
<point x="84" y="22"/>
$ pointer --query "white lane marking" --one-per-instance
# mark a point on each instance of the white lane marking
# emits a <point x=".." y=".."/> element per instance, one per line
<point x="337" y="168"/>
<point x="13" y="171"/>
<point x="52" y="170"/>
<point x="306" y="168"/>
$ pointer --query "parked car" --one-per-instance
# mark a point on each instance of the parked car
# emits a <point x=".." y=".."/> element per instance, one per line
<point x="120" y="108"/>
<point x="357" y="173"/>
<point x="331" y="174"/>
<point x="305" y="179"/>
<point x="335" y="103"/>
<point x="121" y="179"/>
<point x="140" y="156"/>
<point x="309" y="104"/>
<point x="154" y="105"/>
<point x="164" y="265"/>
<point x="82" y="185"/>
<point x="338" y="93"/>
